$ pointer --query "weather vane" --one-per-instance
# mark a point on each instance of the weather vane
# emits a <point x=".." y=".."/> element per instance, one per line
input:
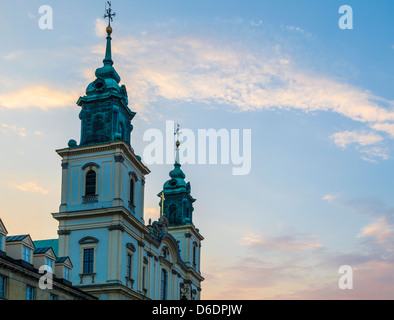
<point x="109" y="14"/>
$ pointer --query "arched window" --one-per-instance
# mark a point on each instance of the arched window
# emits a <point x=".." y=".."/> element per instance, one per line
<point x="194" y="254"/>
<point x="90" y="183"/>
<point x="132" y="194"/>
<point x="163" y="288"/>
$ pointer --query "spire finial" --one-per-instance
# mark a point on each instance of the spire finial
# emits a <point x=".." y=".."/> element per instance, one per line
<point x="177" y="172"/>
<point x="177" y="144"/>
<point x="108" y="14"/>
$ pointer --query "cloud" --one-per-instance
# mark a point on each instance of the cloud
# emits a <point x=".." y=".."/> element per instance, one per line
<point x="282" y="243"/>
<point x="380" y="232"/>
<point x="100" y="27"/>
<point x="378" y="235"/>
<point x="369" y="142"/>
<point x="292" y="28"/>
<point x="371" y="281"/>
<point x="221" y="74"/>
<point x="363" y="138"/>
<point x="192" y="69"/>
<point x="330" y="197"/>
<point x="237" y="78"/>
<point x="293" y="272"/>
<point x="378" y="152"/>
<point x="151" y="213"/>
<point x="30" y="187"/>
<point x="6" y="128"/>
<point x="304" y="275"/>
<point x="39" y="96"/>
<point x="385" y="127"/>
<point x="370" y="207"/>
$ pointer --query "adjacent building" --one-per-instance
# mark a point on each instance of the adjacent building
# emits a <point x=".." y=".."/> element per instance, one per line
<point x="24" y="267"/>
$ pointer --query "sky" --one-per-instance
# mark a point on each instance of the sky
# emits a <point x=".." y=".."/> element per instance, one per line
<point x="317" y="99"/>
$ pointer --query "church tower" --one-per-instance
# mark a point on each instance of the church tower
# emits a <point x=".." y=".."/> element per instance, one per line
<point x="102" y="191"/>
<point x="101" y="215"/>
<point x="177" y="207"/>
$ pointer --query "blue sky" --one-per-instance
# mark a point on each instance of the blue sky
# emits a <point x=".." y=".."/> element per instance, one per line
<point x="318" y="99"/>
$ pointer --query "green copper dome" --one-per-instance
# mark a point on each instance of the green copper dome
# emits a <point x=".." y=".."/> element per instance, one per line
<point x="107" y="79"/>
<point x="178" y="202"/>
<point x="105" y="114"/>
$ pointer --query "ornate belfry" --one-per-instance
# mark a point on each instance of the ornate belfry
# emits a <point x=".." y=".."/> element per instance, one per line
<point x="105" y="114"/>
<point x="101" y="216"/>
<point x="178" y="204"/>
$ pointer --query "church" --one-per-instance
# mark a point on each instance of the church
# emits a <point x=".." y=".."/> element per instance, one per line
<point x="111" y="253"/>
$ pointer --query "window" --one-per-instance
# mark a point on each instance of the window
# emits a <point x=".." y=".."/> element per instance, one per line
<point x="129" y="266"/>
<point x="144" y="278"/>
<point x="26" y="254"/>
<point x="90" y="183"/>
<point x="2" y="287"/>
<point x="49" y="263"/>
<point x="194" y="254"/>
<point x="163" y="289"/>
<point x="66" y="274"/>
<point x="53" y="297"/>
<point x="88" y="259"/>
<point x="1" y="242"/>
<point x="132" y="194"/>
<point x="29" y="293"/>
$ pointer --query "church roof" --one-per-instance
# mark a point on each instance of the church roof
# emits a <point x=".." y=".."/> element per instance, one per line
<point x="46" y="244"/>
<point x="16" y="238"/>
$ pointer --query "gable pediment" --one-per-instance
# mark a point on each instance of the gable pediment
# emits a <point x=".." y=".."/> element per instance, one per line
<point x="3" y="230"/>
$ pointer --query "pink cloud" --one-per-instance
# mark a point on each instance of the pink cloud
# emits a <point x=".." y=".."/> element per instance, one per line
<point x="284" y="243"/>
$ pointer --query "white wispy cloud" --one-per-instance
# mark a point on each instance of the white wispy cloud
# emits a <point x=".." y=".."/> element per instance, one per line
<point x="7" y="129"/>
<point x="384" y="127"/>
<point x="195" y="69"/>
<point x="381" y="232"/>
<point x="199" y="70"/>
<point x="100" y="27"/>
<point x="376" y="152"/>
<point x="363" y="138"/>
<point x="38" y="96"/>
<point x="284" y="243"/>
<point x="330" y="197"/>
<point x="188" y="68"/>
<point x="29" y="187"/>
